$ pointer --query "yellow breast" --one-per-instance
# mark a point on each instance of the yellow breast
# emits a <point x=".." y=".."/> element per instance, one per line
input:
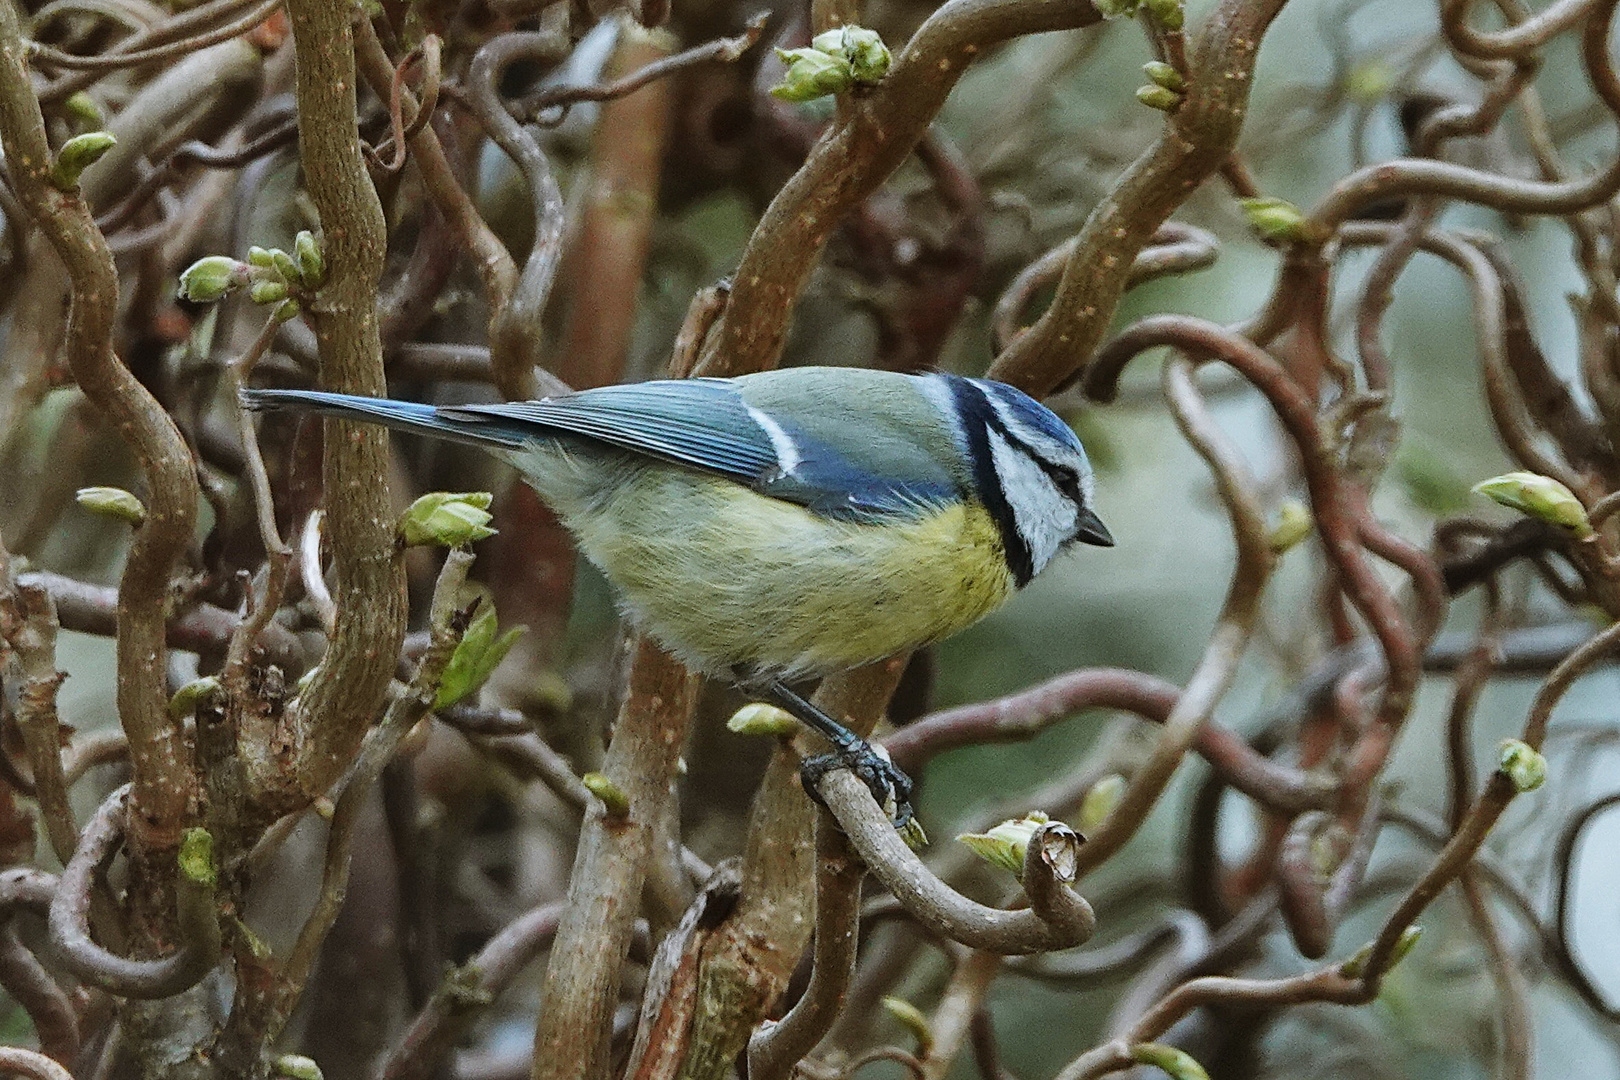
<point x="728" y="578"/>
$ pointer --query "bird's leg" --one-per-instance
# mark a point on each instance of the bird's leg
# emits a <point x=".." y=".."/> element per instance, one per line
<point x="886" y="783"/>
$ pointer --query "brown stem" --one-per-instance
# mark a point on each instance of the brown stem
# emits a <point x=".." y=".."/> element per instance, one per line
<point x="582" y="980"/>
<point x="369" y="582"/>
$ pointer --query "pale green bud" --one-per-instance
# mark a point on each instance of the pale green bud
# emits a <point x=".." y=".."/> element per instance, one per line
<point x="84" y="110"/>
<point x="267" y="291"/>
<point x="1274" y="219"/>
<point x="1539" y="497"/>
<point x="447" y="518"/>
<point x="1520" y="763"/>
<point x="1164" y="75"/>
<point x="260" y="257"/>
<point x="1369" y="82"/>
<point x="311" y="263"/>
<point x="212" y="277"/>
<point x="1157" y="97"/>
<point x="1100" y="801"/>
<point x="477" y="655"/>
<point x="112" y="502"/>
<point x="77" y="155"/>
<point x="1007" y="844"/>
<point x="758" y="718"/>
<point x="1356" y="966"/>
<point x="285" y="265"/>
<point x="868" y="57"/>
<point x="1170" y="14"/>
<point x="612" y="796"/>
<point x="1179" y="1064"/>
<point x="296" y="1067"/>
<point x="197" y="857"/>
<point x="1293" y="524"/>
<point x="812" y="74"/>
<point x="289" y="309"/>
<point x="189" y="696"/>
<point x="912" y="1019"/>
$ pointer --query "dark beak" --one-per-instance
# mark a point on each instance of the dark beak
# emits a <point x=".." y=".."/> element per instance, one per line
<point x="1090" y="529"/>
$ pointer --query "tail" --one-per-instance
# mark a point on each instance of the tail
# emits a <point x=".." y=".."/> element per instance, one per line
<point x="400" y="415"/>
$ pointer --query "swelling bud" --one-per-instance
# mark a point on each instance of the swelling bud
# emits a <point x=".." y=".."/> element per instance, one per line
<point x="812" y="74"/>
<point x="1522" y="764"/>
<point x="1175" y="1061"/>
<point x="77" y="155"/>
<point x="197" y="858"/>
<point x="868" y="57"/>
<point x="447" y="518"/>
<point x="1537" y="496"/>
<point x="1293" y="524"/>
<point x="1007" y="845"/>
<point x="1274" y="219"/>
<point x="912" y="1019"/>
<point x="1164" y="75"/>
<point x="1157" y="97"/>
<point x="212" y="278"/>
<point x="311" y="263"/>
<point x="758" y="718"/>
<point x="112" y="502"/>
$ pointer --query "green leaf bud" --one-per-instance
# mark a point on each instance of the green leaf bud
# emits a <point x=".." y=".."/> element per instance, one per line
<point x="1356" y="966"/>
<point x="1522" y="764"/>
<point x="812" y="74"/>
<point x="612" y="796"/>
<point x="84" y="111"/>
<point x="1157" y="97"/>
<point x="296" y="1067"/>
<point x="478" y="654"/>
<point x="289" y="309"/>
<point x="1293" y="524"/>
<point x="286" y="266"/>
<point x="212" y="277"/>
<point x="267" y="291"/>
<point x="311" y="263"/>
<point x="1539" y="497"/>
<point x="197" y="857"/>
<point x="1179" y="1064"/>
<point x="77" y="155"/>
<point x="913" y="834"/>
<point x="912" y="1019"/>
<point x="260" y="257"/>
<point x="1274" y="219"/>
<point x="1170" y="14"/>
<point x="1100" y="801"/>
<point x="1164" y="75"/>
<point x="447" y="518"/>
<point x="112" y="502"/>
<point x="868" y="57"/>
<point x="1007" y="844"/>
<point x="758" y="718"/>
<point x="189" y="696"/>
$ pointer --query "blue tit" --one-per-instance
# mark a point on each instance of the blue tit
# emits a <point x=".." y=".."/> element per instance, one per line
<point x="789" y="523"/>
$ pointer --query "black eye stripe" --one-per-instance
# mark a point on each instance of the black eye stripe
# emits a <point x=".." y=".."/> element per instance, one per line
<point x="978" y="419"/>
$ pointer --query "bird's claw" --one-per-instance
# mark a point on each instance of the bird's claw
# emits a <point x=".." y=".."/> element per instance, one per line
<point x="888" y="785"/>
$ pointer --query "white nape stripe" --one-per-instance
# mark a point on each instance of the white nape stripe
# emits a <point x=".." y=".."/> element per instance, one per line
<point x="1040" y="442"/>
<point x="1044" y="515"/>
<point x="788" y="457"/>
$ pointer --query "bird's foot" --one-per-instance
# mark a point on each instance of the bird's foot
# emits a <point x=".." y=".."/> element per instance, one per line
<point x="888" y="785"/>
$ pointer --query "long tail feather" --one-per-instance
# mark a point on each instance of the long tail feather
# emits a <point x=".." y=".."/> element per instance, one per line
<point x="399" y="415"/>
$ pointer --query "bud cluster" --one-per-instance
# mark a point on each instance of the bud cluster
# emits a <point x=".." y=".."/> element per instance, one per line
<point x="271" y="276"/>
<point x="836" y="61"/>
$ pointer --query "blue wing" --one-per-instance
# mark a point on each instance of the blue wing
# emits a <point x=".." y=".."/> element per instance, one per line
<point x="807" y="441"/>
<point x="702" y="423"/>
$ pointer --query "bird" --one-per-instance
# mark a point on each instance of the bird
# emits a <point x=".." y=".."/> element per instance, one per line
<point x="787" y="524"/>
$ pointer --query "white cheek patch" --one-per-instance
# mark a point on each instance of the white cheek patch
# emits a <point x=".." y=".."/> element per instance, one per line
<point x="1044" y="515"/>
<point x="1042" y="443"/>
<point x="787" y="454"/>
